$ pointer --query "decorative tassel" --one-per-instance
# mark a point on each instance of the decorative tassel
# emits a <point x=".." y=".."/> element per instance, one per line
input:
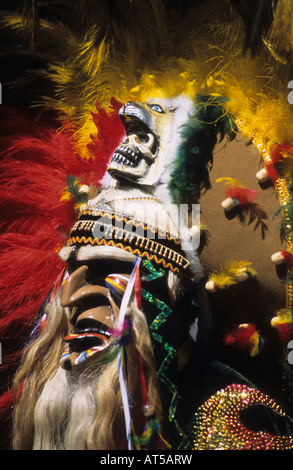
<point x="245" y="336"/>
<point x="231" y="273"/>
<point x="281" y="161"/>
<point x="137" y="289"/>
<point x="283" y="322"/>
<point x="149" y="433"/>
<point x="124" y="334"/>
<point x="152" y="426"/>
<point x="237" y="195"/>
<point x="124" y="331"/>
<point x="263" y="175"/>
<point x="283" y="256"/>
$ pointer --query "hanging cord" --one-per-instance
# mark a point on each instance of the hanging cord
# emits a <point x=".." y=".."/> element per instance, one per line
<point x="122" y="324"/>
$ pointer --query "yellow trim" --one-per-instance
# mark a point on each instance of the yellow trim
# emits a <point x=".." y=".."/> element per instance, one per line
<point x="136" y="251"/>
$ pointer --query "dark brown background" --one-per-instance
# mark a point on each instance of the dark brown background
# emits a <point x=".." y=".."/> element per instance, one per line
<point x="229" y="237"/>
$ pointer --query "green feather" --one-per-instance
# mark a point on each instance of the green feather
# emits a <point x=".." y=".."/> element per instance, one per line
<point x="73" y="185"/>
<point x="190" y="172"/>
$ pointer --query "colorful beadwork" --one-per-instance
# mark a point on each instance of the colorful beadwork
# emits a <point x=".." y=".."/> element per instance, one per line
<point x="216" y="424"/>
<point x="108" y="229"/>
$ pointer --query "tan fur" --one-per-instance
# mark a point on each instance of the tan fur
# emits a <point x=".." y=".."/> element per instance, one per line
<point x="81" y="409"/>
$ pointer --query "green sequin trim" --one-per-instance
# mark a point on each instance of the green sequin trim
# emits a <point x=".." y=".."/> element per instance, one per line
<point x="155" y="274"/>
<point x="161" y="318"/>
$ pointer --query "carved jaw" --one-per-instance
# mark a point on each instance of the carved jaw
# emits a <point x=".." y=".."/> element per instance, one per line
<point x="133" y="157"/>
<point x="142" y="153"/>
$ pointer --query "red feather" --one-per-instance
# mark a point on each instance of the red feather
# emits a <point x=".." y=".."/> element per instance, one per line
<point x="243" y="195"/>
<point x="272" y="172"/>
<point x="285" y="332"/>
<point x="277" y="156"/>
<point x="277" y="152"/>
<point x="240" y="337"/>
<point x="288" y="258"/>
<point x="6" y="404"/>
<point x="34" y="223"/>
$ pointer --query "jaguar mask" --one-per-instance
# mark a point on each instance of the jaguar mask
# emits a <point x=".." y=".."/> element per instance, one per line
<point x="150" y="142"/>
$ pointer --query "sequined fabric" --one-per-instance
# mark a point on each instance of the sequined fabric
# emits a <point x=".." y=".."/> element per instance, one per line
<point x="217" y="426"/>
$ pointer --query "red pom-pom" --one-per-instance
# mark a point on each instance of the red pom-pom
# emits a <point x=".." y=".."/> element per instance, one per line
<point x="285" y="332"/>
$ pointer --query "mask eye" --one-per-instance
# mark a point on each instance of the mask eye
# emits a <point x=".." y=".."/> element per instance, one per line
<point x="117" y="284"/>
<point x="157" y="108"/>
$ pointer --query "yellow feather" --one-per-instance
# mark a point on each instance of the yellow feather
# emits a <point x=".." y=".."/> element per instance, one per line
<point x="283" y="316"/>
<point x="227" y="275"/>
<point x="231" y="181"/>
<point x="65" y="194"/>
<point x="254" y="341"/>
<point x="150" y="54"/>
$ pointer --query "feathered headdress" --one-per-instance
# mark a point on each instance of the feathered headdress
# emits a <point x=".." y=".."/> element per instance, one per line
<point x="76" y="65"/>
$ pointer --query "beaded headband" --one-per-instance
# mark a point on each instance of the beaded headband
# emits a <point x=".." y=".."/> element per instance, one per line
<point x="107" y="228"/>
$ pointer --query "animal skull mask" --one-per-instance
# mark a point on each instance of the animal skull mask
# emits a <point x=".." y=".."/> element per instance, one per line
<point x="150" y="141"/>
<point x="142" y="160"/>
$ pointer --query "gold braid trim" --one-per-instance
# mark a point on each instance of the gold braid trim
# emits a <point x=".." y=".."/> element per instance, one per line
<point x="178" y="259"/>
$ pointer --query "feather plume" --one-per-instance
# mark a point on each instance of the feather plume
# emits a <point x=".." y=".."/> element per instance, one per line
<point x="243" y="198"/>
<point x="190" y="172"/>
<point x="242" y="195"/>
<point x="245" y="337"/>
<point x="34" y="218"/>
<point x="283" y="322"/>
<point x="257" y="18"/>
<point x="282" y="160"/>
<point x="229" y="274"/>
<point x="285" y="332"/>
<point x="7" y="400"/>
<point x="272" y="172"/>
<point x="60" y="58"/>
<point x="288" y="258"/>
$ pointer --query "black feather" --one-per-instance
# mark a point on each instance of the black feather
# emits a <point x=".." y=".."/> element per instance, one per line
<point x="257" y="17"/>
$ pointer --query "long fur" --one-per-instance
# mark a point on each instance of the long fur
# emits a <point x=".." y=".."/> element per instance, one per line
<point x="70" y="410"/>
<point x="35" y="220"/>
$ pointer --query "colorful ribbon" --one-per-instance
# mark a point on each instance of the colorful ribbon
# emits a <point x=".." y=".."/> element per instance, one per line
<point x="121" y="353"/>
